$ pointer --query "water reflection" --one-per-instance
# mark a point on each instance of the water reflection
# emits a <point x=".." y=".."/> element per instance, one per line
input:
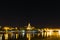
<point x="46" y="34"/>
<point x="31" y="36"/>
<point x="17" y="36"/>
<point x="1" y="36"/>
<point x="23" y="34"/>
<point x="6" y="36"/>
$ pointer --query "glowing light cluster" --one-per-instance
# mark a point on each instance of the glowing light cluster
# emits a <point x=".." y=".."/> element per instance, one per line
<point x="6" y="28"/>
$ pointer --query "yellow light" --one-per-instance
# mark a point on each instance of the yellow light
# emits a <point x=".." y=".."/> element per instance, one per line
<point x="6" y="28"/>
<point x="59" y="31"/>
<point x="49" y="34"/>
<point x="51" y="30"/>
<point x="6" y="36"/>
<point x="29" y="36"/>
<point x="16" y="36"/>
<point x="38" y="34"/>
<point x="16" y="28"/>
<point x="29" y="27"/>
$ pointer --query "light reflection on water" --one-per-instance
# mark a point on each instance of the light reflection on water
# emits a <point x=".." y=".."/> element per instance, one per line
<point x="31" y="36"/>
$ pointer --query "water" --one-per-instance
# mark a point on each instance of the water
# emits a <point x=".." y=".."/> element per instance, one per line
<point x="31" y="36"/>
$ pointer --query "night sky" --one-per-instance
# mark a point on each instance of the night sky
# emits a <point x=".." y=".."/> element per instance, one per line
<point x="19" y="13"/>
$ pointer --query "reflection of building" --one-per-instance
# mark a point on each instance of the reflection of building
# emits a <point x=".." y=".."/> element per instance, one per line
<point x="0" y="26"/>
<point x="29" y="36"/>
<point x="1" y="36"/>
<point x="6" y="36"/>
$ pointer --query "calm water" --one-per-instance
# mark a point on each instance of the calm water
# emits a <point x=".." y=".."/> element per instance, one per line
<point x="31" y="36"/>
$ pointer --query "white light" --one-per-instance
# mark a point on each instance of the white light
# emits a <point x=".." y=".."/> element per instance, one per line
<point x="23" y="30"/>
<point x="23" y="34"/>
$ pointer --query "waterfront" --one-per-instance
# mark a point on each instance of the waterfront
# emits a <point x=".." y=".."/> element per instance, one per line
<point x="29" y="33"/>
<point x="31" y="36"/>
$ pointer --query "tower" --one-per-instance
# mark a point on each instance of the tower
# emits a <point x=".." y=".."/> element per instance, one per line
<point x="29" y="26"/>
<point x="29" y="23"/>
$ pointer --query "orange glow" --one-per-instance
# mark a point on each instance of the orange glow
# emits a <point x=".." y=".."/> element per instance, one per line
<point x="29" y="36"/>
<point x="29" y="27"/>
<point x="50" y="30"/>
<point x="6" y="28"/>
<point x="6" y="36"/>
<point x="16" y="36"/>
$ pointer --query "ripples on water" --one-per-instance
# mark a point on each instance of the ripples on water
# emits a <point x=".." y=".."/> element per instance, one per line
<point x="31" y="36"/>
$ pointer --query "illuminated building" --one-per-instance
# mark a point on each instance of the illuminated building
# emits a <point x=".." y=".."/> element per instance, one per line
<point x="29" y="27"/>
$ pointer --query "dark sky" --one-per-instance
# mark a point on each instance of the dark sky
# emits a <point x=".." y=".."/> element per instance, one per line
<point x="37" y="12"/>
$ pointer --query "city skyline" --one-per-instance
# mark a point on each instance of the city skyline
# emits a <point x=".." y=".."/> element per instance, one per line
<point x="19" y="14"/>
<point x="34" y="19"/>
<point x="29" y="20"/>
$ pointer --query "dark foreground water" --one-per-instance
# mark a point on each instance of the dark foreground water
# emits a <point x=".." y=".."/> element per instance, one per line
<point x="31" y="36"/>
